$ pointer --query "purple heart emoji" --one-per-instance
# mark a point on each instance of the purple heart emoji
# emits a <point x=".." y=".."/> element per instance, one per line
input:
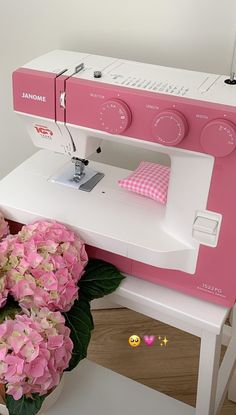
<point x="149" y="340"/>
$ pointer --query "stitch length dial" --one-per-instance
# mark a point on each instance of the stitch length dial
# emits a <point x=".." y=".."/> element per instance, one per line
<point x="169" y="128"/>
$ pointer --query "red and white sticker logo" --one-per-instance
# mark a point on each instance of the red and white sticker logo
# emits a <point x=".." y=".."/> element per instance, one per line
<point x="43" y="131"/>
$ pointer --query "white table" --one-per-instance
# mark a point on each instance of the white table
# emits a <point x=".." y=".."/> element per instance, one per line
<point x="91" y="389"/>
<point x="199" y="318"/>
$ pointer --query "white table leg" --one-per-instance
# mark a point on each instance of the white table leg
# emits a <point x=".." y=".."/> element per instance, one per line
<point x="232" y="388"/>
<point x="208" y="373"/>
<point x="232" y="385"/>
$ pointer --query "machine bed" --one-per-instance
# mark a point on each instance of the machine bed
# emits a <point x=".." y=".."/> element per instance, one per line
<point x="108" y="217"/>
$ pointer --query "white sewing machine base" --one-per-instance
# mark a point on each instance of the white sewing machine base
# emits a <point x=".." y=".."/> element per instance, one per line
<point x="192" y="315"/>
<point x="91" y="389"/>
<point x="143" y="238"/>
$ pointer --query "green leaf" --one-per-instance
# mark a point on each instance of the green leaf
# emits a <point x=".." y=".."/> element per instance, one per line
<point x="9" y="310"/>
<point x="24" y="406"/>
<point x="80" y="321"/>
<point x="100" y="278"/>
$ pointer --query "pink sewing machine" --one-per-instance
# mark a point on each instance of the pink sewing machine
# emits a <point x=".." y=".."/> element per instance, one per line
<point x="71" y="103"/>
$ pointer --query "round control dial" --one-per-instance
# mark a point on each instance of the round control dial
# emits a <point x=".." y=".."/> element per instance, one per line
<point x="218" y="138"/>
<point x="114" y="116"/>
<point x="169" y="127"/>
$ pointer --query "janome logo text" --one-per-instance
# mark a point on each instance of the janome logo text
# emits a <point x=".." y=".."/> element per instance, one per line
<point x="34" y="97"/>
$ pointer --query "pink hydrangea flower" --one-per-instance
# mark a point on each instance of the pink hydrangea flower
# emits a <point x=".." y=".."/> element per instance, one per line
<point x="3" y="277"/>
<point x="3" y="290"/>
<point x="35" y="349"/>
<point x="43" y="264"/>
<point x="4" y="231"/>
<point x="4" y="228"/>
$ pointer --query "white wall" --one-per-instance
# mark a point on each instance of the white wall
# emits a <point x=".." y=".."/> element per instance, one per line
<point x="194" y="34"/>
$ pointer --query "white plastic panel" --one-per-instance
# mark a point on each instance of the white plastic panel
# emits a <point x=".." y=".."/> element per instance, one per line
<point x="56" y="61"/>
<point x="108" y="217"/>
<point x="46" y="133"/>
<point x="174" y="81"/>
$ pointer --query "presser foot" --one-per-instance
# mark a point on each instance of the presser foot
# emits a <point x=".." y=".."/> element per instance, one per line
<point x="66" y="177"/>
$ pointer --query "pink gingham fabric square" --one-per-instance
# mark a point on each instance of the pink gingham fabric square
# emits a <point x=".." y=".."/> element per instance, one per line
<point x="150" y="180"/>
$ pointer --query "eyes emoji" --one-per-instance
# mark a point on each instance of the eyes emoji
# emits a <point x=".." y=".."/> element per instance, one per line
<point x="134" y="340"/>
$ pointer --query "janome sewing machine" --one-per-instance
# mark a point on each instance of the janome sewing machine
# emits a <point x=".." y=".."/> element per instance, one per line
<point x="71" y="103"/>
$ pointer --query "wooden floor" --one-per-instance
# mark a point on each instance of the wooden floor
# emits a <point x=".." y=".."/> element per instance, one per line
<point x="171" y="369"/>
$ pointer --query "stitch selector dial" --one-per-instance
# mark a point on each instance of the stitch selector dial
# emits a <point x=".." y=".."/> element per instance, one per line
<point x="114" y="116"/>
<point x="218" y="138"/>
<point x="169" y="128"/>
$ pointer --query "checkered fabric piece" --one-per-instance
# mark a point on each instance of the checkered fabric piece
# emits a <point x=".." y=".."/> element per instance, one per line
<point x="150" y="180"/>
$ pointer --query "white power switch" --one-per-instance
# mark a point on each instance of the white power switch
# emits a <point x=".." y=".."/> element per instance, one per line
<point x="206" y="228"/>
<point x="205" y="225"/>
